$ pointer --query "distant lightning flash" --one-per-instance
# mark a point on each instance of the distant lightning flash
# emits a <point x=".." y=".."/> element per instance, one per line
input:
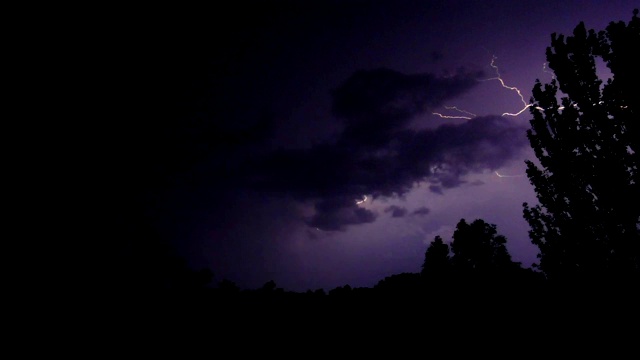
<point x="455" y="116"/>
<point x="451" y="116"/>
<point x="507" y="176"/>
<point x="460" y="110"/>
<point x="358" y="202"/>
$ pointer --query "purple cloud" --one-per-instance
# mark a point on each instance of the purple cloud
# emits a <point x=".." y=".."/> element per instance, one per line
<point x="421" y="211"/>
<point x="377" y="154"/>
<point x="396" y="211"/>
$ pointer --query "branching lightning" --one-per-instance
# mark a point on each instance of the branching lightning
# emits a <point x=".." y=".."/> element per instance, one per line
<point x="525" y="104"/>
<point x="451" y="116"/>
<point x="512" y="88"/>
<point x="498" y="77"/>
<point x="456" y="116"/>
<point x="467" y="115"/>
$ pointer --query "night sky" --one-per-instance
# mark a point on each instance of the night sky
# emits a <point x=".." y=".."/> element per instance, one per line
<point x="298" y="141"/>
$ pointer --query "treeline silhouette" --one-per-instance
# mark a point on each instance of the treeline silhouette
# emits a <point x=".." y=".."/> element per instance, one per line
<point x="477" y="260"/>
<point x="468" y="288"/>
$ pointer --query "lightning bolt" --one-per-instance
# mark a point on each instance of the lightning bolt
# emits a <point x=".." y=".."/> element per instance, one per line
<point x="498" y="77"/>
<point x="525" y="104"/>
<point x="454" y="116"/>
<point x="512" y="88"/>
<point x="460" y="110"/>
<point x="467" y="115"/>
<point x="450" y="116"/>
<point x="358" y="202"/>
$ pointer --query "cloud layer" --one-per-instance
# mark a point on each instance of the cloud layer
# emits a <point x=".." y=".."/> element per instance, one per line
<point x="396" y="211"/>
<point x="380" y="155"/>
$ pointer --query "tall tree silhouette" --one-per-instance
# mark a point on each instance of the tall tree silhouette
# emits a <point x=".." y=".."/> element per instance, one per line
<point x="437" y="261"/>
<point x="587" y="222"/>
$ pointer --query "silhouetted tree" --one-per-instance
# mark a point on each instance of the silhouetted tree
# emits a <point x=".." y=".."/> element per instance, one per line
<point x="479" y="249"/>
<point x="437" y="262"/>
<point x="587" y="182"/>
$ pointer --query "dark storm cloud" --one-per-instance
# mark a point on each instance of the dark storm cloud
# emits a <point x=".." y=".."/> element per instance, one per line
<point x="377" y="154"/>
<point x="421" y="211"/>
<point x="338" y="212"/>
<point x="396" y="211"/>
<point x="481" y="143"/>
<point x="436" y="189"/>
<point x="376" y="104"/>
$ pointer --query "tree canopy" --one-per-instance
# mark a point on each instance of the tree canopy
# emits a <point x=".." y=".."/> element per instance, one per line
<point x="436" y="258"/>
<point x="479" y="248"/>
<point x="478" y="252"/>
<point x="587" y="222"/>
